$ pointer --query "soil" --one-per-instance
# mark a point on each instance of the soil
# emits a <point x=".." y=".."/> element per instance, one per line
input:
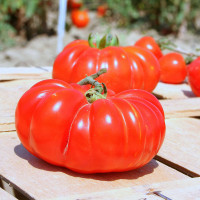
<point x="42" y="50"/>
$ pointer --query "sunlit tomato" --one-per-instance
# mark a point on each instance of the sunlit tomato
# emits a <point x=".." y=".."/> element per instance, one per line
<point x="75" y="4"/>
<point x="150" y="44"/>
<point x="80" y="18"/>
<point x="173" y="68"/>
<point x="193" y="71"/>
<point x="128" y="67"/>
<point x="55" y="122"/>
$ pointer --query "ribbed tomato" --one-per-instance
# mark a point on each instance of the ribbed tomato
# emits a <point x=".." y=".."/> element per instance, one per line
<point x="128" y="67"/>
<point x="55" y="122"/>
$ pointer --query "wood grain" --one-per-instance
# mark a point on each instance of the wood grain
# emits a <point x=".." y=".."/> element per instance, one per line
<point x="37" y="179"/>
<point x="19" y="73"/>
<point x="11" y="91"/>
<point x="181" y="147"/>
<point x="5" y="195"/>
<point x="177" y="108"/>
<point x="176" y="190"/>
<point x="173" y="91"/>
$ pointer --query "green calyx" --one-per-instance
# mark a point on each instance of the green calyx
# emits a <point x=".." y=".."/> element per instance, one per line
<point x="107" y="40"/>
<point x="97" y="91"/>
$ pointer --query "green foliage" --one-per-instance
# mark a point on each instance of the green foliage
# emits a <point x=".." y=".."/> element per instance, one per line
<point x="166" y="16"/>
<point x="17" y="14"/>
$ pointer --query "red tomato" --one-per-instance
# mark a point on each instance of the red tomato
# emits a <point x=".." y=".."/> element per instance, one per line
<point x="55" y="122"/>
<point x="150" y="44"/>
<point x="173" y="68"/>
<point x="80" y="18"/>
<point x="193" y="71"/>
<point x="101" y="10"/>
<point x="128" y="67"/>
<point x="75" y="4"/>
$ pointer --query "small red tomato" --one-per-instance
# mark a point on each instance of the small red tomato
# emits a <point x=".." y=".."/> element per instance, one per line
<point x="150" y="44"/>
<point x="193" y="71"/>
<point x="101" y="10"/>
<point x="75" y="4"/>
<point x="173" y="68"/>
<point x="80" y="18"/>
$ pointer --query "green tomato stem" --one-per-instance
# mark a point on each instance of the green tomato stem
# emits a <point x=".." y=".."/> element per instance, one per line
<point x="95" y="93"/>
<point x="107" y="40"/>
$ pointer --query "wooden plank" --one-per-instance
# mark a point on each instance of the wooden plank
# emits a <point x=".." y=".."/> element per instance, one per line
<point x="39" y="180"/>
<point x="173" y="91"/>
<point x="181" y="147"/>
<point x="12" y="91"/>
<point x="181" y="107"/>
<point x="13" y="73"/>
<point x="176" y="190"/>
<point x="5" y="195"/>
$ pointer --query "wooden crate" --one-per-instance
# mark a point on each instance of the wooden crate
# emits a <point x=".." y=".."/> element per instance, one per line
<point x="172" y="174"/>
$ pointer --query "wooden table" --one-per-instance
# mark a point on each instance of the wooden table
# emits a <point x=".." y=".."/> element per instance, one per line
<point x="173" y="174"/>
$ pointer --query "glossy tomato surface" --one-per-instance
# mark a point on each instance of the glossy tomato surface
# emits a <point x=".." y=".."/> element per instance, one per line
<point x="127" y="67"/>
<point x="55" y="122"/>
<point x="193" y="71"/>
<point x="148" y="43"/>
<point x="80" y="18"/>
<point x="173" y="68"/>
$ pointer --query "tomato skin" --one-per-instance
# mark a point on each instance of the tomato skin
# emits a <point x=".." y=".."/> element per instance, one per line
<point x="193" y="72"/>
<point x="128" y="67"/>
<point x="55" y="122"/>
<point x="148" y="43"/>
<point x="75" y="4"/>
<point x="173" y="68"/>
<point x="80" y="18"/>
<point x="101" y="10"/>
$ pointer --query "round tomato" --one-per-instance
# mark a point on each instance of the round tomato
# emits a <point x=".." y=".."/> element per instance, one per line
<point x="128" y="67"/>
<point x="193" y="71"/>
<point x="75" y="4"/>
<point x="101" y="10"/>
<point x="80" y="18"/>
<point x="55" y="122"/>
<point x="150" y="44"/>
<point x="173" y="68"/>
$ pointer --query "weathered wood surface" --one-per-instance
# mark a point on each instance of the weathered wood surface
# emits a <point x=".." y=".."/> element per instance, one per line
<point x="181" y="147"/>
<point x="13" y="73"/>
<point x="11" y="91"/>
<point x="173" y="91"/>
<point x="177" y="108"/>
<point x="5" y="195"/>
<point x="39" y="180"/>
<point x="177" y="190"/>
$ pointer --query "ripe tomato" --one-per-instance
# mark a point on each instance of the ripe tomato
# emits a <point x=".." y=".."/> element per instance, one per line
<point x="150" y="44"/>
<point x="128" y="67"/>
<point x="193" y="71"/>
<point x="55" y="122"/>
<point x="75" y="4"/>
<point x="101" y="10"/>
<point x="173" y="68"/>
<point x="80" y="18"/>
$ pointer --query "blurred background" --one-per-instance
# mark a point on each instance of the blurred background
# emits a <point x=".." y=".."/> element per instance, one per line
<point x="28" y="28"/>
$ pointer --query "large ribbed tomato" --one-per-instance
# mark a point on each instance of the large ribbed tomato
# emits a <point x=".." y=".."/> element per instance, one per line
<point x="55" y="122"/>
<point x="128" y="67"/>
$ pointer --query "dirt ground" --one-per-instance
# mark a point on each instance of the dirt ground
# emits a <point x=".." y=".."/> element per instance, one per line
<point x="41" y="51"/>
